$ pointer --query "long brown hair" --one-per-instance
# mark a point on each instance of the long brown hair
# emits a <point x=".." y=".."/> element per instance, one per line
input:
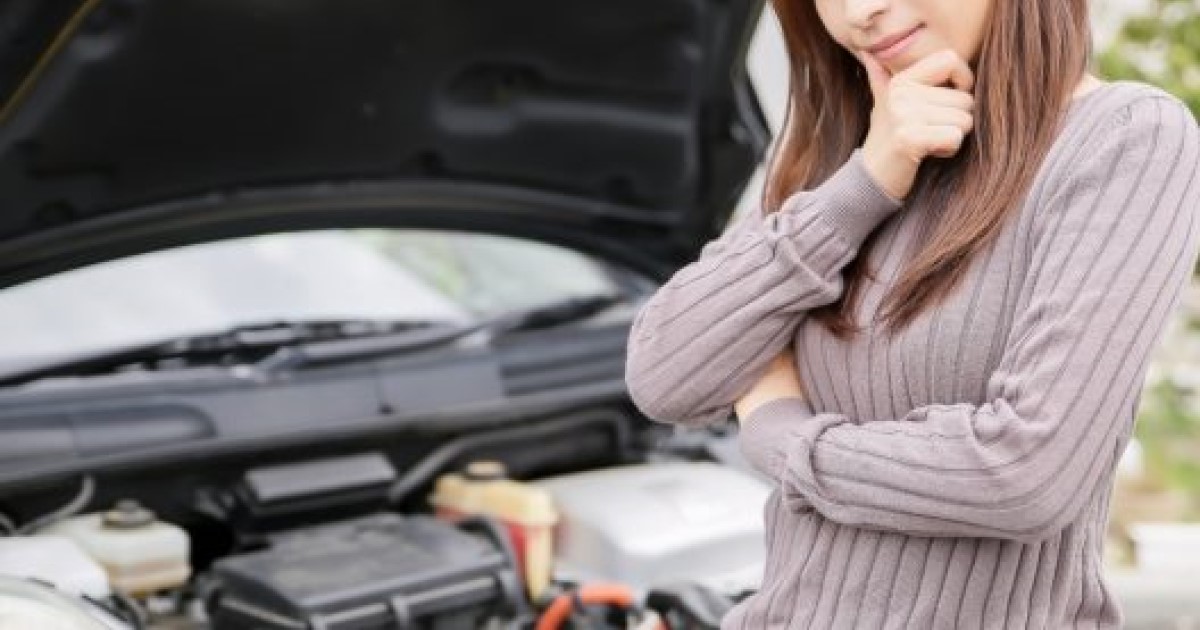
<point x="1033" y="54"/>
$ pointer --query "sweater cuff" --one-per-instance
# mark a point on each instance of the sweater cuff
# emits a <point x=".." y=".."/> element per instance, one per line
<point x="853" y="203"/>
<point x="764" y="433"/>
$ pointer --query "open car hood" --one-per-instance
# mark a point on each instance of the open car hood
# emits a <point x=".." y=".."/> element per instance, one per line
<point x="626" y="127"/>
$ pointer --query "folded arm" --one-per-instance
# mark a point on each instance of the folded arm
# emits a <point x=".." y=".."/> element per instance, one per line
<point x="698" y="342"/>
<point x="1113" y="249"/>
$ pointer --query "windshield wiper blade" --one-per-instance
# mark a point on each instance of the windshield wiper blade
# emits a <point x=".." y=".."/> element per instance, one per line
<point x="272" y="347"/>
<point x="564" y="311"/>
<point x="241" y="344"/>
<point x="556" y="313"/>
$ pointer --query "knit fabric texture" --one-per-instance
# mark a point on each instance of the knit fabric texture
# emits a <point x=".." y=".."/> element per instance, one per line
<point x="958" y="474"/>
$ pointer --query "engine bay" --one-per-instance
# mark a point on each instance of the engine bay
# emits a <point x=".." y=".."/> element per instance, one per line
<point x="578" y="521"/>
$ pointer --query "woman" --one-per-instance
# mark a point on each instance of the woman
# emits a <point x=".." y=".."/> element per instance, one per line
<point x="935" y="331"/>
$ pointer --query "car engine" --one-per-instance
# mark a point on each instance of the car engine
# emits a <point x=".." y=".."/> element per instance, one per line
<point x="657" y="545"/>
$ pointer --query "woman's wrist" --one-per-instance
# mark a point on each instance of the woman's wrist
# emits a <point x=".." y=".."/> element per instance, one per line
<point x="746" y="406"/>
<point x="851" y="202"/>
<point x="765" y="437"/>
<point x="893" y="174"/>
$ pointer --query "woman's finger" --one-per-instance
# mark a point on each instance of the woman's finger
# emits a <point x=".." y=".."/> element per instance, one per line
<point x="877" y="76"/>
<point x="945" y="97"/>
<point x="938" y="69"/>
<point x="943" y="140"/>
<point x="937" y="115"/>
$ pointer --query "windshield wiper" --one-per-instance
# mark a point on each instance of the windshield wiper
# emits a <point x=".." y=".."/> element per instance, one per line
<point x="280" y="346"/>
<point x="557" y="313"/>
<point x="243" y="344"/>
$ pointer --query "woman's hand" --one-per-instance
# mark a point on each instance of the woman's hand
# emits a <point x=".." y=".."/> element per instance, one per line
<point x="914" y="117"/>
<point x="780" y="380"/>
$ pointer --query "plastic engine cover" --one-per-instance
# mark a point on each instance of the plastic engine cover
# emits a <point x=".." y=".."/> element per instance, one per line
<point x="377" y="572"/>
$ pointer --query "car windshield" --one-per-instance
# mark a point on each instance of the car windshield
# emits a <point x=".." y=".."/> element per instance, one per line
<point x="371" y="274"/>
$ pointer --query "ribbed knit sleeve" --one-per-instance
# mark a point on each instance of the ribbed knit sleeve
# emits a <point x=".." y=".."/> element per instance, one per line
<point x="696" y="345"/>
<point x="1113" y="247"/>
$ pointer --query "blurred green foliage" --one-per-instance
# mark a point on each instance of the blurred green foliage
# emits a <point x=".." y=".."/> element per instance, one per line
<point x="1161" y="46"/>
<point x="1168" y="429"/>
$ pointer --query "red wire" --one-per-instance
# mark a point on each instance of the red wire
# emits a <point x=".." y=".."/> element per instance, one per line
<point x="599" y="593"/>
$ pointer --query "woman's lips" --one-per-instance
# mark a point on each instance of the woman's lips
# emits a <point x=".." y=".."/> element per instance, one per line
<point x="884" y="53"/>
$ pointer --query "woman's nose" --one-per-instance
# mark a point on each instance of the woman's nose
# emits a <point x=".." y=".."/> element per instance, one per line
<point x="860" y="13"/>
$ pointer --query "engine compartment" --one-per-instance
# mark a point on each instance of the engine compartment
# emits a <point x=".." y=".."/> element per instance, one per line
<point x="347" y="534"/>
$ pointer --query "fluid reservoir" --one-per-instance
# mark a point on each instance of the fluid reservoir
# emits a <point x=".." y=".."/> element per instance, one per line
<point x="53" y="560"/>
<point x="140" y="553"/>
<point x="527" y="512"/>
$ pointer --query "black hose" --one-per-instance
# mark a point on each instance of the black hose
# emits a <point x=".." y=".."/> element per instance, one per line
<point x="432" y="464"/>
<point x="86" y="490"/>
<point x="135" y="614"/>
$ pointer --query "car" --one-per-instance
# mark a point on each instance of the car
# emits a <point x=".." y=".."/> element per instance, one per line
<point x="314" y="313"/>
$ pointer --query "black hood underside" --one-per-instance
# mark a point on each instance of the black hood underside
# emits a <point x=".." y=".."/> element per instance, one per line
<point x="636" y="115"/>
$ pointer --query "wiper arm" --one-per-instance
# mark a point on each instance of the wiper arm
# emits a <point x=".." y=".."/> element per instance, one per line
<point x="564" y="311"/>
<point x="281" y="346"/>
<point x="237" y="345"/>
<point x="543" y="316"/>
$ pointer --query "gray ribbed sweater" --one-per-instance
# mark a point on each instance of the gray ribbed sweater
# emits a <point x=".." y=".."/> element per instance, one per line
<point x="956" y="476"/>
